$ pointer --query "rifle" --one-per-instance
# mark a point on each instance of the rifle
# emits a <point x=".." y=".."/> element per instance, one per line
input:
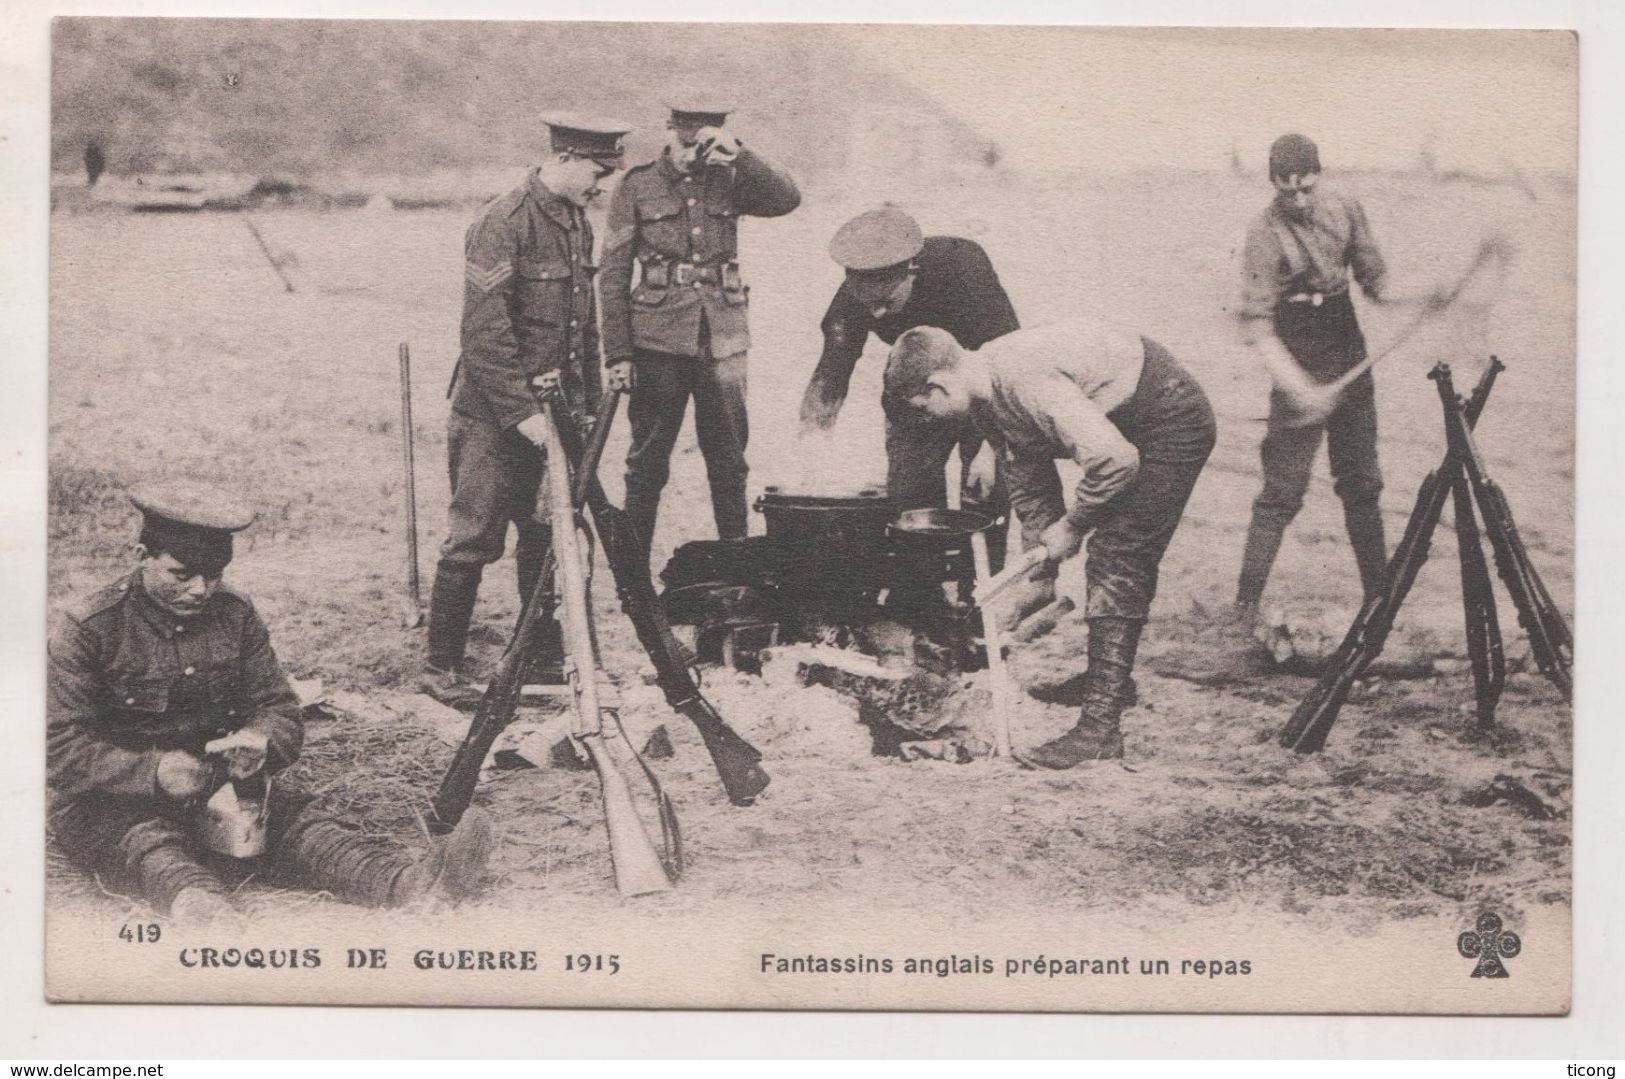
<point x="1484" y="646"/>
<point x="496" y="708"/>
<point x="1549" y="639"/>
<point x="736" y="760"/>
<point x="1312" y="720"/>
<point x="639" y="868"/>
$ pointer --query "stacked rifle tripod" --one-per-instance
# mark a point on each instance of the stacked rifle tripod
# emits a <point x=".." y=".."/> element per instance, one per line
<point x="1462" y="478"/>
<point x="563" y="591"/>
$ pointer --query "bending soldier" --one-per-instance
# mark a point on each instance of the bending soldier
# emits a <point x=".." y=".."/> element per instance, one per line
<point x="528" y="310"/>
<point x="162" y="688"/>
<point x="681" y="331"/>
<point x="897" y="279"/>
<point x="1137" y="424"/>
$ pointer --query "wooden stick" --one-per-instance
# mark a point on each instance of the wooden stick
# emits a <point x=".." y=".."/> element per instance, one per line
<point x="991" y="634"/>
<point x="266" y="251"/>
<point x="412" y="613"/>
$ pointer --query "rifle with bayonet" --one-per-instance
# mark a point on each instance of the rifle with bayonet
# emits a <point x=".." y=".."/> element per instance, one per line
<point x="737" y="761"/>
<point x="1306" y="731"/>
<point x="1550" y="641"/>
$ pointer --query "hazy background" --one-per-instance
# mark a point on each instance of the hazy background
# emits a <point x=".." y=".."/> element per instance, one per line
<point x="308" y="98"/>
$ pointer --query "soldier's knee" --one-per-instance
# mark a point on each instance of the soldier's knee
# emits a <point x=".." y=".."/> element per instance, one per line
<point x="149" y="836"/>
<point x="1277" y="506"/>
<point x="1359" y="488"/>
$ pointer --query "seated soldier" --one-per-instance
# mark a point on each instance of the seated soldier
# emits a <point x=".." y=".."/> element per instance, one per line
<point x="1136" y="422"/>
<point x="163" y="688"/>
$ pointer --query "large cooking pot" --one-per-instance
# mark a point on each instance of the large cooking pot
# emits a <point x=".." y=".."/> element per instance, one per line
<point x="854" y="521"/>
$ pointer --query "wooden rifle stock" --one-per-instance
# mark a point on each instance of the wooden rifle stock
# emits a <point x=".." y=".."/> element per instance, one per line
<point x="638" y="866"/>
<point x="737" y="761"/>
<point x="1312" y="720"/>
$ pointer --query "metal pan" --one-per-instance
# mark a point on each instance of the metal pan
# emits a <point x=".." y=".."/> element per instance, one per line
<point x="936" y="526"/>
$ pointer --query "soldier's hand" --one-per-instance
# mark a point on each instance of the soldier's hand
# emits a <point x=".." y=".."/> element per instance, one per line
<point x="1311" y="404"/>
<point x="244" y="752"/>
<point x="1061" y="541"/>
<point x="534" y="428"/>
<point x="622" y="376"/>
<point x="981" y="475"/>
<point x="182" y="775"/>
<point x="717" y="145"/>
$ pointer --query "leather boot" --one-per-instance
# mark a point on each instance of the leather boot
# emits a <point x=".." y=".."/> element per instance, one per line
<point x="451" y="608"/>
<point x="1363" y="518"/>
<point x="453" y="869"/>
<point x="1258" y="558"/>
<point x="534" y="543"/>
<point x="1097" y="735"/>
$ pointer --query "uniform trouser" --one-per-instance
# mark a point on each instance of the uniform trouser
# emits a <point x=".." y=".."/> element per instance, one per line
<point x="1170" y="423"/>
<point x="1325" y="342"/>
<point x="664" y="384"/>
<point x="143" y="850"/>
<point x="496" y="478"/>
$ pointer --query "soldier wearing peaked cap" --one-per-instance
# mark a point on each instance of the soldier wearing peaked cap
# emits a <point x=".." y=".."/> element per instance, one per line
<point x="898" y="279"/>
<point x="528" y="311"/>
<point x="162" y="688"/>
<point x="681" y="329"/>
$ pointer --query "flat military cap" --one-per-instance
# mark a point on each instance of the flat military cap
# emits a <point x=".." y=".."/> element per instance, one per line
<point x="697" y="110"/>
<point x="876" y="240"/>
<point x="192" y="521"/>
<point x="594" y="137"/>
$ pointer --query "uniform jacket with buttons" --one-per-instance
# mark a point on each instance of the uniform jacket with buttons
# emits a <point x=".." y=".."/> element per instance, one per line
<point x="528" y="306"/>
<point x="682" y="231"/>
<point x="128" y="681"/>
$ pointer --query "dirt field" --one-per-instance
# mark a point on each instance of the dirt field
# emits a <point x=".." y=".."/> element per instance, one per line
<point x="175" y="352"/>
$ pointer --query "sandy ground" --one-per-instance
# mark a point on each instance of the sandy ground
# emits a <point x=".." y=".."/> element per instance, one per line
<point x="175" y="352"/>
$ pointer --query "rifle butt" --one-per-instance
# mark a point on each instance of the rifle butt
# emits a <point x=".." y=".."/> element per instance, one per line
<point x="737" y="761"/>
<point x="1311" y="722"/>
<point x="638" y="868"/>
<point x="451" y="800"/>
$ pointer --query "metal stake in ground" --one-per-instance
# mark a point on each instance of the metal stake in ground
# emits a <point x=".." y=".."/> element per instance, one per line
<point x="412" y="613"/>
<point x="266" y="251"/>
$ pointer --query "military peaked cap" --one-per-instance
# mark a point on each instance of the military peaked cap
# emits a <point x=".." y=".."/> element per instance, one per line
<point x="594" y="137"/>
<point x="876" y="240"/>
<point x="192" y="521"/>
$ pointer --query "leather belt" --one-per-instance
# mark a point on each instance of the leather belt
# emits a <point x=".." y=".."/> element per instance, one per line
<point x="1314" y="299"/>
